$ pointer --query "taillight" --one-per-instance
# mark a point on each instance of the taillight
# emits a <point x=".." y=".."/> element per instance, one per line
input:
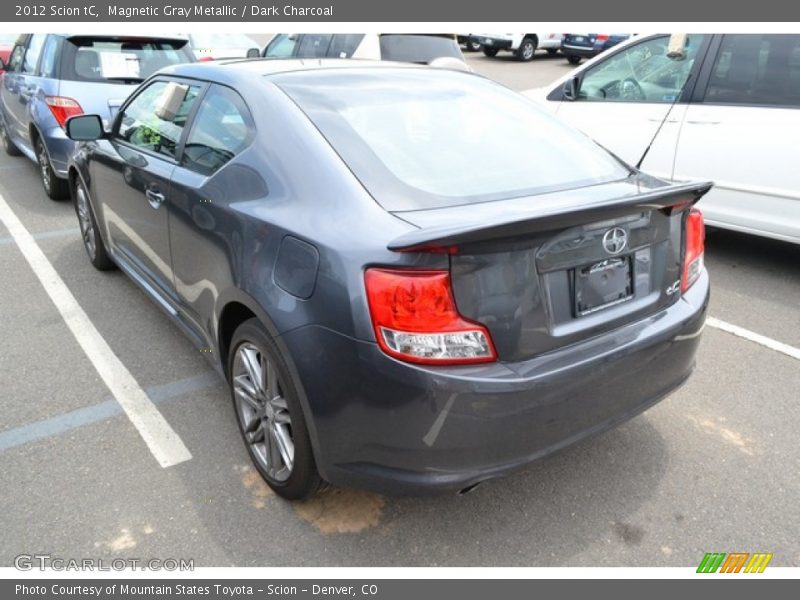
<point x="416" y="320"/>
<point x="694" y="247"/>
<point x="206" y="58"/>
<point x="602" y="37"/>
<point x="63" y="108"/>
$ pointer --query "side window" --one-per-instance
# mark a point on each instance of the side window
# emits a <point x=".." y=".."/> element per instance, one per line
<point x="640" y="73"/>
<point x="15" y="60"/>
<point x="222" y="128"/>
<point x="756" y="69"/>
<point x="282" y="46"/>
<point x="343" y="45"/>
<point x="32" y="55"/>
<point x="314" y="45"/>
<point x="49" y="54"/>
<point x="155" y="119"/>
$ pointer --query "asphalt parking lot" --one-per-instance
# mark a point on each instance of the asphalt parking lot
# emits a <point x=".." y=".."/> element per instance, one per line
<point x="714" y="467"/>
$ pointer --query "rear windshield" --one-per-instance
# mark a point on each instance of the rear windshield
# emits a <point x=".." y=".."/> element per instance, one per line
<point x="119" y="60"/>
<point x="417" y="48"/>
<point x="427" y="138"/>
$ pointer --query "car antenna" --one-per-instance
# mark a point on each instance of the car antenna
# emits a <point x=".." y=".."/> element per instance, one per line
<point x="676" y="50"/>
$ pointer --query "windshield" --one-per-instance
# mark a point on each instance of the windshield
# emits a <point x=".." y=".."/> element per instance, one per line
<point x="98" y="59"/>
<point x="417" y="48"/>
<point x="425" y="138"/>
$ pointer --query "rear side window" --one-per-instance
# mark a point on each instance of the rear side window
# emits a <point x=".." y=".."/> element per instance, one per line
<point x="124" y="61"/>
<point x="314" y="45"/>
<point x="222" y="128"/>
<point x="49" y="55"/>
<point x="155" y="119"/>
<point x="343" y="45"/>
<point x="32" y="55"/>
<point x="411" y="136"/>
<point x="417" y="48"/>
<point x="756" y="69"/>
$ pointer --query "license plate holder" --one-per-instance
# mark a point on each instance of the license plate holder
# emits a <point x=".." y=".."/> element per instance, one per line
<point x="602" y="284"/>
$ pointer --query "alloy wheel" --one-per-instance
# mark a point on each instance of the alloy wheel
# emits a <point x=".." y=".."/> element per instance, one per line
<point x="85" y="221"/>
<point x="263" y="411"/>
<point x="44" y="166"/>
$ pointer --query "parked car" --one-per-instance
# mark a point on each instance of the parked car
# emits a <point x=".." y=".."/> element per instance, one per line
<point x="523" y="45"/>
<point x="388" y="312"/>
<point x="737" y="103"/>
<point x="213" y="46"/>
<point x="577" y="46"/>
<point x="6" y="46"/>
<point x="53" y="77"/>
<point x="402" y="47"/>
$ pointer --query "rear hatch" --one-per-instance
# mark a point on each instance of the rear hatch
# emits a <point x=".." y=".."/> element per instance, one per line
<point x="100" y="72"/>
<point x="548" y="272"/>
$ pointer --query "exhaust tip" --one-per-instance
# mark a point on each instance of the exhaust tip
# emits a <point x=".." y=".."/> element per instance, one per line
<point x="468" y="489"/>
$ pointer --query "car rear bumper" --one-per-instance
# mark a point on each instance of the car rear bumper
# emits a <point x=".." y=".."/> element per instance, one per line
<point x="392" y="427"/>
<point x="582" y="51"/>
<point x="59" y="148"/>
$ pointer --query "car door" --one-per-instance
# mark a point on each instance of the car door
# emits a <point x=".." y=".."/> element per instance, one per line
<point x="623" y="99"/>
<point x="14" y="95"/>
<point x="741" y="132"/>
<point x="204" y="183"/>
<point x="131" y="182"/>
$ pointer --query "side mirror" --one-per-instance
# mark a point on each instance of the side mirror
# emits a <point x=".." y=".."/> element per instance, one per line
<point x="85" y="128"/>
<point x="253" y="53"/>
<point x="571" y="88"/>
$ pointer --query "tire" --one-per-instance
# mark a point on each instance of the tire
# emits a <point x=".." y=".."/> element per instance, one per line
<point x="526" y="50"/>
<point x="90" y="234"/>
<point x="55" y="187"/>
<point x="269" y="414"/>
<point x="490" y="52"/>
<point x="9" y="146"/>
<point x="473" y="46"/>
<point x="574" y="60"/>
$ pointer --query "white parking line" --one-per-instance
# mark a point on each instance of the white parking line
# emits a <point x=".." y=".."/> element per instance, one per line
<point x="161" y="439"/>
<point x="754" y="337"/>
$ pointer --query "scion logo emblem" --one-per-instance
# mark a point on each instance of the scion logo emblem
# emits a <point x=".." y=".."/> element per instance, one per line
<point x="615" y="240"/>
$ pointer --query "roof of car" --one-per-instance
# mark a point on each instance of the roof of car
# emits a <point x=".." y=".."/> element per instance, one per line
<point x="273" y="66"/>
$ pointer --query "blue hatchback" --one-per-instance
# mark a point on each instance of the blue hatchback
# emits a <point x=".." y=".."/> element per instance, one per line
<point x="52" y="77"/>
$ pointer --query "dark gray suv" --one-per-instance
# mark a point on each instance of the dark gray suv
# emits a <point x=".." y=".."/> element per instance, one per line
<point x="390" y="312"/>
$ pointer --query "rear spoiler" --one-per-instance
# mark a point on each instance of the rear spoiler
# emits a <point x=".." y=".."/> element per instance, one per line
<point x="672" y="198"/>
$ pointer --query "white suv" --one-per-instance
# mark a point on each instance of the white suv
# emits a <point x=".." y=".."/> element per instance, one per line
<point x="523" y="45"/>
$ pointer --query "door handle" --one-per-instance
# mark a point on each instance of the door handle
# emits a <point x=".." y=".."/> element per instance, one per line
<point x="155" y="198"/>
<point x="658" y="120"/>
<point x="702" y="122"/>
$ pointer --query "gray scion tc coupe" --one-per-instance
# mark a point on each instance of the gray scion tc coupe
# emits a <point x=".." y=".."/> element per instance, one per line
<point x="412" y="278"/>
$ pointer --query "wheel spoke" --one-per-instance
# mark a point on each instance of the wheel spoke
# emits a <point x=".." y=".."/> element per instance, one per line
<point x="252" y="365"/>
<point x="284" y="443"/>
<point x="256" y="432"/>
<point x="245" y="391"/>
<point x="271" y="386"/>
